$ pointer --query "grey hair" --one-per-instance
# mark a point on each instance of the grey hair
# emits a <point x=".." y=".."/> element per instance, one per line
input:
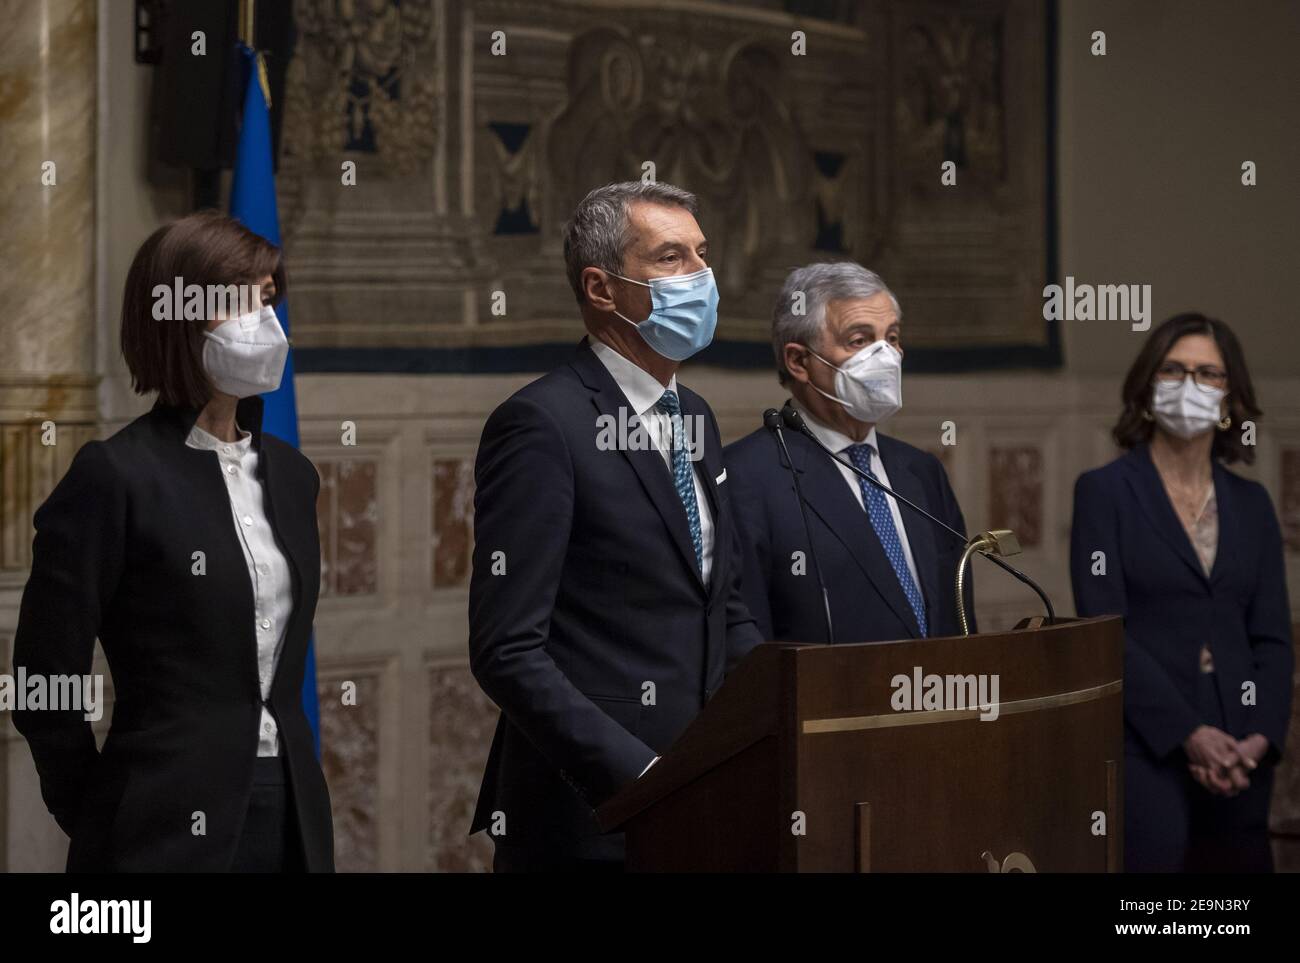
<point x="819" y="284"/>
<point x="598" y="233"/>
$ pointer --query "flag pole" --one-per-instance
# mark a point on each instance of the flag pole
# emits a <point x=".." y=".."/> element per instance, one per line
<point x="248" y="36"/>
<point x="247" y="23"/>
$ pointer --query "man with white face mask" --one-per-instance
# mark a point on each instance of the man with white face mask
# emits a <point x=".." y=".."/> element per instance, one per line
<point x="888" y="571"/>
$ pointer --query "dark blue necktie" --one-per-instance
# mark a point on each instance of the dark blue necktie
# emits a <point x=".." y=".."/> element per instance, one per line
<point x="682" y="478"/>
<point x="882" y="520"/>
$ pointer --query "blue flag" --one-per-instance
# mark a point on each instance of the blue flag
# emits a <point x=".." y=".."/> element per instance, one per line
<point x="252" y="203"/>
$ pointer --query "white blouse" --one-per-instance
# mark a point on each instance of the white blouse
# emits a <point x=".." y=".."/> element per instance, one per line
<point x="268" y="569"/>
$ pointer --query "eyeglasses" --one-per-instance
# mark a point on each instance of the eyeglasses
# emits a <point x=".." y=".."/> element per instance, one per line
<point x="1206" y="376"/>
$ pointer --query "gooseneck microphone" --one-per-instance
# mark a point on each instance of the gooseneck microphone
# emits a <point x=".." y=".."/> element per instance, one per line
<point x="772" y="422"/>
<point x="795" y="422"/>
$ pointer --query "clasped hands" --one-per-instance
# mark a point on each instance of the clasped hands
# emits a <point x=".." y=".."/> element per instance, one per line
<point x="1220" y="763"/>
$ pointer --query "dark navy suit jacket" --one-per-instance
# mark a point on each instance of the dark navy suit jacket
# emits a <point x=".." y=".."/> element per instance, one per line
<point x="1154" y="579"/>
<point x="867" y="602"/>
<point x="594" y="593"/>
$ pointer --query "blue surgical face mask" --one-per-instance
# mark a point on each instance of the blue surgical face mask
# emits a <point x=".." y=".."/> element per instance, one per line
<point x="683" y="313"/>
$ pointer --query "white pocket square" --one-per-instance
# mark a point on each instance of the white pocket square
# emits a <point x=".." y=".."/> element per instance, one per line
<point x="721" y="478"/>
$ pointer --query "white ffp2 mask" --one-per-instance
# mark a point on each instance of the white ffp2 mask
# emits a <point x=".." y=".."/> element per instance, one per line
<point x="870" y="384"/>
<point x="245" y="356"/>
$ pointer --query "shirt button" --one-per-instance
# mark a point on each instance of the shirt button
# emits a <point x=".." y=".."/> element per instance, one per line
<point x="266" y="727"/>
<point x="231" y="469"/>
<point x="226" y="449"/>
<point x="248" y="519"/>
<point x="263" y="568"/>
<point x="266" y="623"/>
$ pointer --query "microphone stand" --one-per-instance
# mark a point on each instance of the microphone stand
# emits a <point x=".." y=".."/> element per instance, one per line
<point x="772" y="421"/>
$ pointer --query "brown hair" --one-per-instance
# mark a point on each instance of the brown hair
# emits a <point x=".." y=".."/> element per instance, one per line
<point x="1135" y="426"/>
<point x="203" y="248"/>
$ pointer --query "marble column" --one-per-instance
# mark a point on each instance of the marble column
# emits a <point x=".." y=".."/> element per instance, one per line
<point x="48" y="84"/>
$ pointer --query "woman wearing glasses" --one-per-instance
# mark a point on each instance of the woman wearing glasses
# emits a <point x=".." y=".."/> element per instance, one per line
<point x="1190" y="554"/>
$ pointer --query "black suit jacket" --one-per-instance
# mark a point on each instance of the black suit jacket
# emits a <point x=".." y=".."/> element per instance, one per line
<point x="1154" y="579"/>
<point x="867" y="601"/>
<point x="585" y="589"/>
<point x="113" y="557"/>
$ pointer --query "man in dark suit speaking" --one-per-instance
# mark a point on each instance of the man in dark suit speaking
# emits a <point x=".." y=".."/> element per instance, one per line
<point x="604" y="607"/>
<point x="888" y="571"/>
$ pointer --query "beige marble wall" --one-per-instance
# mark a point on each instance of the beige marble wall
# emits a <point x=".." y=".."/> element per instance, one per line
<point x="47" y="110"/>
<point x="47" y="266"/>
<point x="48" y="85"/>
<point x="461" y="721"/>
<point x="351" y="749"/>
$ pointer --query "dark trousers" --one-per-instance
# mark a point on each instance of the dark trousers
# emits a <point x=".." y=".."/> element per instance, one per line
<point x="1172" y="824"/>
<point x="517" y="859"/>
<point x="270" y="841"/>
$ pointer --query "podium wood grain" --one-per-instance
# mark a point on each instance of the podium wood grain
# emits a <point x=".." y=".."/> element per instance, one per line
<point x="810" y="729"/>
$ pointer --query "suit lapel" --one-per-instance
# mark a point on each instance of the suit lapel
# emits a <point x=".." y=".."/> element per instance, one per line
<point x="828" y="495"/>
<point x="1150" y="493"/>
<point x="648" y="463"/>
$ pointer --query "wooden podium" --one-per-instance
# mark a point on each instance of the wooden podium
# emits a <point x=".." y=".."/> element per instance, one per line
<point x="802" y="763"/>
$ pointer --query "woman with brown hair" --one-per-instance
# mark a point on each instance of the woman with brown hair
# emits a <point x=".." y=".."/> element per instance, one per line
<point x="187" y="543"/>
<point x="1190" y="554"/>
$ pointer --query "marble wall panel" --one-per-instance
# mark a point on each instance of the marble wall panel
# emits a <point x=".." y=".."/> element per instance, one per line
<point x="453" y="521"/>
<point x="348" y="513"/>
<point x="461" y="722"/>
<point x="1016" y="491"/>
<point x="350" y="756"/>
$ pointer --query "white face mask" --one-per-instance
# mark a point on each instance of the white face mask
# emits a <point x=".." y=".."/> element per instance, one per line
<point x="870" y="384"/>
<point x="1185" y="409"/>
<point x="245" y="355"/>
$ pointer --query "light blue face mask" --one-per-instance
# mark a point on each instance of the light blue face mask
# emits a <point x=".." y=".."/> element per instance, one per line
<point x="683" y="313"/>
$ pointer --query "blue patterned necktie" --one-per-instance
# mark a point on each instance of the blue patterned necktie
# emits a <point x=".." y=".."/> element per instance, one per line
<point x="882" y="520"/>
<point x="682" y="478"/>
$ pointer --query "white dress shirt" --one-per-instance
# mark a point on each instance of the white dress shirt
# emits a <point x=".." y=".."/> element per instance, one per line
<point x="837" y="442"/>
<point x="643" y="392"/>
<point x="268" y="570"/>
